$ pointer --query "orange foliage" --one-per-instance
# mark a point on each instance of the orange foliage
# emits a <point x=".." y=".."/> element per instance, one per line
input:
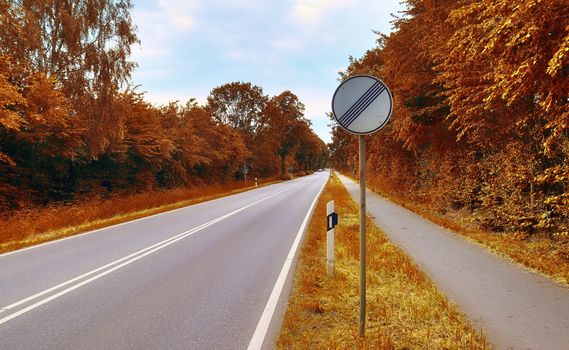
<point x="72" y="128"/>
<point x="33" y="226"/>
<point x="481" y="117"/>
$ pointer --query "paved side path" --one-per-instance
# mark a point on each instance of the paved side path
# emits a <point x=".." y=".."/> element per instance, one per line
<point x="517" y="309"/>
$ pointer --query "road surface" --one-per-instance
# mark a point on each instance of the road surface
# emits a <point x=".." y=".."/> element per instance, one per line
<point x="517" y="309"/>
<point x="208" y="276"/>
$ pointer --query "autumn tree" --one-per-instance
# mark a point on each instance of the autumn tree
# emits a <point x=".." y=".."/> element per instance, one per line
<point x="238" y="105"/>
<point x="510" y="93"/>
<point x="311" y="152"/>
<point x="285" y="117"/>
<point x="71" y="125"/>
<point x="39" y="138"/>
<point x="83" y="45"/>
<point x="205" y="151"/>
<point x="11" y="100"/>
<point x="178" y="124"/>
<point x="480" y="117"/>
<point x="226" y="151"/>
<point x="146" y="145"/>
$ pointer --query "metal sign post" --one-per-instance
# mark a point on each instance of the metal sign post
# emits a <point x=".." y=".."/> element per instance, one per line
<point x="362" y="105"/>
<point x="362" y="235"/>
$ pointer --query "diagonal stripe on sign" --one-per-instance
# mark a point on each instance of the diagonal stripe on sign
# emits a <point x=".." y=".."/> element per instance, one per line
<point x="365" y="104"/>
<point x="349" y="112"/>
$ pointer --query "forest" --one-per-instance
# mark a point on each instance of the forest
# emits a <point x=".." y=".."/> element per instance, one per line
<point x="480" y="128"/>
<point x="73" y="125"/>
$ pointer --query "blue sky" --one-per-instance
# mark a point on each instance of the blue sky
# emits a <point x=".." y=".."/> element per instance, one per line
<point x="188" y="47"/>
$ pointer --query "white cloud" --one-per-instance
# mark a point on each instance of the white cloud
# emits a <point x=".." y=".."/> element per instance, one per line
<point x="316" y="101"/>
<point x="313" y="11"/>
<point x="163" y="97"/>
<point x="168" y="18"/>
<point x="238" y="4"/>
<point x="177" y="7"/>
<point x="317" y="104"/>
<point x="310" y="24"/>
<point x="183" y="23"/>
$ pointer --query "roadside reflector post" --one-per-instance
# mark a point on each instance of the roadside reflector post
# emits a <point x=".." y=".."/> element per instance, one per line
<point x="331" y="221"/>
<point x="255" y="182"/>
<point x="362" y="105"/>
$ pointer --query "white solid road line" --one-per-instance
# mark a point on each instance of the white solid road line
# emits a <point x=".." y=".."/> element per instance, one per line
<point x="37" y="295"/>
<point x="265" y="320"/>
<point x="129" y="259"/>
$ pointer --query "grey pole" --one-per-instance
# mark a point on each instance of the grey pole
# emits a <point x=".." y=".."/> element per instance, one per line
<point x="362" y="235"/>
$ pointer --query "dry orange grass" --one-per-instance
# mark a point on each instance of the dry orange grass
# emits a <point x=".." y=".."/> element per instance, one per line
<point x="405" y="309"/>
<point x="538" y="253"/>
<point x="30" y="227"/>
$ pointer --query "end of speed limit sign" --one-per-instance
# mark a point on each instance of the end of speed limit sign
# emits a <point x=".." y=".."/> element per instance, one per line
<point x="362" y="104"/>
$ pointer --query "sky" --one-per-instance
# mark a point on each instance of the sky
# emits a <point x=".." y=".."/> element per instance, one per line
<point x="189" y="47"/>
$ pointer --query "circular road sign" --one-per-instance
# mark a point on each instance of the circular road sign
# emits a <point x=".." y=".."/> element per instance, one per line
<point x="362" y="104"/>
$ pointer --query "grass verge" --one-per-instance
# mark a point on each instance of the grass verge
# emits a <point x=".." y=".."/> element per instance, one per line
<point x="36" y="226"/>
<point x="405" y="309"/>
<point x="538" y="253"/>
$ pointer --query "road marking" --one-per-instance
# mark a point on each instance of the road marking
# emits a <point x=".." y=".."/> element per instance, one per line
<point x="117" y="225"/>
<point x="123" y="262"/>
<point x="265" y="320"/>
<point x="37" y="295"/>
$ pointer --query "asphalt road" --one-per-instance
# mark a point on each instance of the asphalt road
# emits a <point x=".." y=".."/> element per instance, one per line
<point x="208" y="276"/>
<point x="516" y="308"/>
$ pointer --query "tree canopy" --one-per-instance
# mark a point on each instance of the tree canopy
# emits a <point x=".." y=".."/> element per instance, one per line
<point x="481" y="119"/>
<point x="72" y="125"/>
